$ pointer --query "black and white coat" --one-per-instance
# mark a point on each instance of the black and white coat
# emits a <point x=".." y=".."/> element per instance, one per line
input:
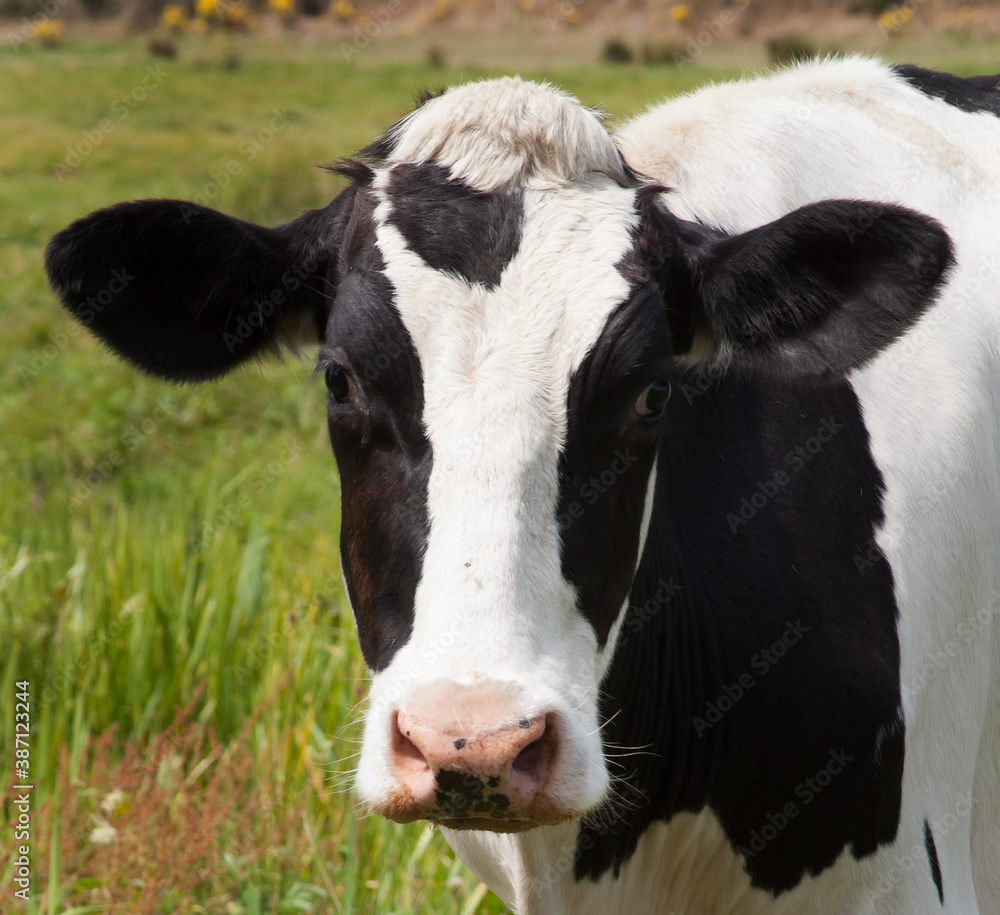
<point x="734" y="650"/>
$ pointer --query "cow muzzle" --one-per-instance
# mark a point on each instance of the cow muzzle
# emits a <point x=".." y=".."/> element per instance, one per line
<point x="472" y="757"/>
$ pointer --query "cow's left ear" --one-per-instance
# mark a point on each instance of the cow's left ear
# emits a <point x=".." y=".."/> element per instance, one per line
<point x="817" y="292"/>
<point x="186" y="292"/>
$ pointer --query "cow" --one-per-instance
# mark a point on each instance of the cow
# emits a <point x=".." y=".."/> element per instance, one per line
<point x="669" y="467"/>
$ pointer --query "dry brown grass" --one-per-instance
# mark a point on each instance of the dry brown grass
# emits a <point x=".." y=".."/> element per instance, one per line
<point x="186" y="821"/>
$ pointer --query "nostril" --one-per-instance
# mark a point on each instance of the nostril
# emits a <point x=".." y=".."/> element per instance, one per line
<point x="485" y="767"/>
<point x="529" y="761"/>
<point x="403" y="746"/>
<point x="535" y="760"/>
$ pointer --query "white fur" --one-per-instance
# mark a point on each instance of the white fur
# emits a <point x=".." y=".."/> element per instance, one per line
<point x="492" y="603"/>
<point x="508" y="133"/>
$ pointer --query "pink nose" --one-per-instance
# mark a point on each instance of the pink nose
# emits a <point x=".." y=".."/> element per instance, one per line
<point x="465" y="764"/>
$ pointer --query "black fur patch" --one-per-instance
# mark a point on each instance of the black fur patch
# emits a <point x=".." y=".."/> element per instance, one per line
<point x="755" y="687"/>
<point x="969" y="93"/>
<point x="359" y="172"/>
<point x="825" y="288"/>
<point x="758" y="667"/>
<point x="932" y="858"/>
<point x="607" y="458"/>
<point x="453" y="227"/>
<point x="383" y="454"/>
<point x="817" y="292"/>
<point x="187" y="293"/>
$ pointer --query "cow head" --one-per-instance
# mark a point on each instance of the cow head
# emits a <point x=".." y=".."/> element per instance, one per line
<point x="500" y="304"/>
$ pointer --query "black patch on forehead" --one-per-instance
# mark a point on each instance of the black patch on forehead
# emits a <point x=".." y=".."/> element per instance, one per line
<point x="968" y="93"/>
<point x="382" y="453"/>
<point x="453" y="227"/>
<point x="605" y="466"/>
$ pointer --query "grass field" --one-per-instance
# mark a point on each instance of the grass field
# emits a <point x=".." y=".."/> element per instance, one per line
<point x="169" y="578"/>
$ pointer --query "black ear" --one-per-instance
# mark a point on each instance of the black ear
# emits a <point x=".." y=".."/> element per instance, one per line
<point x="187" y="293"/>
<point x="818" y="292"/>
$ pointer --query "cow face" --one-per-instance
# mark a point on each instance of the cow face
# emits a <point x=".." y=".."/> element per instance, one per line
<point x="509" y="305"/>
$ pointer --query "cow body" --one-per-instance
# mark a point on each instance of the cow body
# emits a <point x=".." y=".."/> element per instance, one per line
<point x="734" y="652"/>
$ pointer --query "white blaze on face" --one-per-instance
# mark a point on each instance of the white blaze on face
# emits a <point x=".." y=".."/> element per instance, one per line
<point x="492" y="602"/>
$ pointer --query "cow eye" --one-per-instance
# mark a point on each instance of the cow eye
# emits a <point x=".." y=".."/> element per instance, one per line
<point x="340" y="383"/>
<point x="652" y="401"/>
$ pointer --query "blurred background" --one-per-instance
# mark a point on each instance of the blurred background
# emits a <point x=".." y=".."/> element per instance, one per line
<point x="170" y="595"/>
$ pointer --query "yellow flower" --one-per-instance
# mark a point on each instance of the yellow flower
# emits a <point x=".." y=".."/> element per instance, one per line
<point x="49" y="27"/>
<point x="238" y="17"/>
<point x="205" y="8"/>
<point x="49" y="33"/>
<point x="680" y="12"/>
<point x="173" y="16"/>
<point x="282" y="6"/>
<point x="345" y="10"/>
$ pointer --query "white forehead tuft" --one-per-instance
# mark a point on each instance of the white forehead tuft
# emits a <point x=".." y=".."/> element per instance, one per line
<point x="505" y="133"/>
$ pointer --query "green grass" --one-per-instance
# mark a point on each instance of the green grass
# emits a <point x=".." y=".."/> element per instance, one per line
<point x="169" y="580"/>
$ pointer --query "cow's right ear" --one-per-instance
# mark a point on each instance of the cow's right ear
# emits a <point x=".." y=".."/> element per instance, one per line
<point x="187" y="293"/>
